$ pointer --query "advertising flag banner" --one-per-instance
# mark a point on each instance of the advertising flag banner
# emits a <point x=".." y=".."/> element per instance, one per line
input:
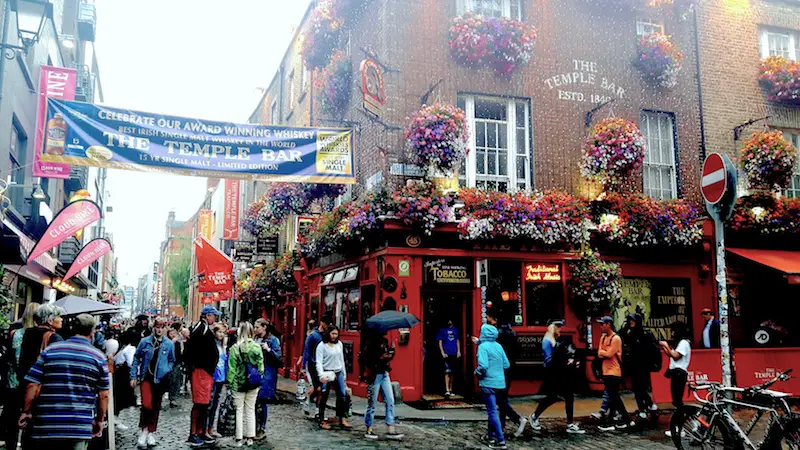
<point x="119" y="138"/>
<point x="54" y="82"/>
<point x="90" y="253"/>
<point x="65" y="224"/>
<point x="204" y="220"/>
<point x="230" y="228"/>
<point x="214" y="266"/>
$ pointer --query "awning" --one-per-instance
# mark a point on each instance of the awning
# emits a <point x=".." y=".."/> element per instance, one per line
<point x="785" y="261"/>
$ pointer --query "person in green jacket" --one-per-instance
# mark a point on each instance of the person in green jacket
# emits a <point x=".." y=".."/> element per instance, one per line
<point x="245" y="357"/>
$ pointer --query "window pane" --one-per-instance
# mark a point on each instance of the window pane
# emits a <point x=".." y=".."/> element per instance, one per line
<point x="543" y="302"/>
<point x="491" y="135"/>
<point x="354" y="305"/>
<point x="502" y="132"/>
<point x="503" y="163"/>
<point x="520" y="115"/>
<point x="490" y="109"/>
<point x="480" y="162"/>
<point x="521" y="163"/>
<point x="492" y="163"/>
<point x="480" y="134"/>
<point x="659" y="168"/>
<point x="506" y="282"/>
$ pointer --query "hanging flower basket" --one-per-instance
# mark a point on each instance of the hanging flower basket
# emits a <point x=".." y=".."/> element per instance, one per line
<point x="781" y="79"/>
<point x="266" y="215"/>
<point x="768" y="160"/>
<point x="659" y="60"/>
<point x="613" y="150"/>
<point x="334" y="83"/>
<point x="422" y="205"/>
<point x="638" y="221"/>
<point x="437" y="136"/>
<point x="505" y="44"/>
<point x="594" y="283"/>
<point x="322" y="34"/>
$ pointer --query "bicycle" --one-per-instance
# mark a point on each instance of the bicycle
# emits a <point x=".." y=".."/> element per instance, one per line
<point x="710" y="424"/>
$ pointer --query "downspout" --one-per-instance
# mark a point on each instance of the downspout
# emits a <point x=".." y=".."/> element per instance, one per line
<point x="4" y="41"/>
<point x="699" y="87"/>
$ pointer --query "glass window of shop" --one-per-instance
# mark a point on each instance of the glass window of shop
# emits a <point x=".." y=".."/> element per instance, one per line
<point x="504" y="290"/>
<point x="367" y="303"/>
<point x="544" y="292"/>
<point x="343" y="304"/>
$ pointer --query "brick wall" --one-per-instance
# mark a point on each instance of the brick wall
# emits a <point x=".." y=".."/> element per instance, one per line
<point x="729" y="61"/>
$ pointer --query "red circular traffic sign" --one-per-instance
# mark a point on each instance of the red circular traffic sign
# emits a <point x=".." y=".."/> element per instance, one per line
<point x="715" y="178"/>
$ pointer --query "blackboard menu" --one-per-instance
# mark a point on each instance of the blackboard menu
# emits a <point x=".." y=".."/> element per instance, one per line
<point x="348" y="356"/>
<point x="529" y="348"/>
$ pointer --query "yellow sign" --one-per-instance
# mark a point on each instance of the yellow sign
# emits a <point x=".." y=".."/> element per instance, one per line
<point x="204" y="226"/>
<point x="542" y="272"/>
<point x="334" y="152"/>
<point x="636" y="294"/>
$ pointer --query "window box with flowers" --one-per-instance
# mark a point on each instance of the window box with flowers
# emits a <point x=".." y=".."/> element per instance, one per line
<point x="659" y="60"/>
<point x="503" y="43"/>
<point x="781" y="80"/>
<point x="764" y="220"/>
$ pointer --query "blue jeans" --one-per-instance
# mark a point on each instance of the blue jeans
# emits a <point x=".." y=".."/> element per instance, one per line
<point x="490" y="400"/>
<point x="262" y="413"/>
<point x="382" y="383"/>
<point x="340" y="387"/>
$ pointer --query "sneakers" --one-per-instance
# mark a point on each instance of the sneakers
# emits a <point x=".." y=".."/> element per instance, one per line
<point x="151" y="440"/>
<point x="142" y="441"/>
<point x="239" y="443"/>
<point x="535" y="426"/>
<point x="607" y="428"/>
<point x="261" y="435"/>
<point x="574" y="428"/>
<point x="370" y="435"/>
<point x="623" y="425"/>
<point x="498" y="446"/>
<point x="395" y="436"/>
<point x="521" y="427"/>
<point x="642" y="415"/>
<point x="121" y="426"/>
<point x="207" y="439"/>
<point x="248" y="442"/>
<point x="653" y="407"/>
<point x="599" y="415"/>
<point x="195" y="441"/>
<point x="487" y="440"/>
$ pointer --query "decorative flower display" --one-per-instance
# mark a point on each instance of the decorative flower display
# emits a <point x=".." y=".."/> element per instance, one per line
<point x="334" y="83"/>
<point x="366" y="214"/>
<point x="437" y="136"/>
<point x="613" y="151"/>
<point x="503" y="43"/>
<point x="266" y="215"/>
<point x="766" y="215"/>
<point x="641" y="221"/>
<point x="546" y="218"/>
<point x="275" y="278"/>
<point x="421" y="205"/>
<point x="659" y="59"/>
<point x="768" y="160"/>
<point x="326" y="235"/>
<point x="322" y="34"/>
<point x="594" y="282"/>
<point x="781" y="79"/>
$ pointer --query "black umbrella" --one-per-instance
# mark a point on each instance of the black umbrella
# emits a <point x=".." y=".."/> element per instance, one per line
<point x="391" y="320"/>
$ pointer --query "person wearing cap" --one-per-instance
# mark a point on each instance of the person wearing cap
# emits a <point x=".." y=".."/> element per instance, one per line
<point x="710" y="329"/>
<point x="640" y="352"/>
<point x="610" y="351"/>
<point x="201" y="358"/>
<point x="559" y="362"/>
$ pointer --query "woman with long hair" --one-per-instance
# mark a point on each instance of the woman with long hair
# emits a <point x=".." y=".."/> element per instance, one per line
<point x="331" y="370"/>
<point x="244" y="359"/>
<point x="559" y="359"/>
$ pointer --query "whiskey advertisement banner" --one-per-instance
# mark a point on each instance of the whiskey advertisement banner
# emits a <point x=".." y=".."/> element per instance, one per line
<point x="92" y="135"/>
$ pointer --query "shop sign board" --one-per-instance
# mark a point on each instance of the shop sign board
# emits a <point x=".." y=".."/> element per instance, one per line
<point x="447" y="272"/>
<point x="243" y="251"/>
<point x="543" y="272"/>
<point x="267" y="245"/>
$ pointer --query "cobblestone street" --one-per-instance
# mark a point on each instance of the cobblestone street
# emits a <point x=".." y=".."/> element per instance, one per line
<point x="289" y="429"/>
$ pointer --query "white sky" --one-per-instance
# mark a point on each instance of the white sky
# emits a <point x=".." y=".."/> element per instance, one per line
<point x="190" y="58"/>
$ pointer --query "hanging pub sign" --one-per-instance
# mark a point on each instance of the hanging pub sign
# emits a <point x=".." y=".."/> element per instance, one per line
<point x="92" y="135"/>
<point x="372" y="86"/>
<point x="267" y="245"/>
<point x="447" y="272"/>
<point x="54" y="82"/>
<point x="543" y="272"/>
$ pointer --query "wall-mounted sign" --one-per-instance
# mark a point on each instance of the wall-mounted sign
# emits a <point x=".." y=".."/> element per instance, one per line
<point x="413" y="240"/>
<point x="404" y="268"/>
<point x="230" y="230"/>
<point x="243" y="251"/>
<point x="372" y="86"/>
<point x="447" y="272"/>
<point x="543" y="272"/>
<point x="584" y="83"/>
<point x="662" y="302"/>
<point x="54" y="82"/>
<point x="204" y="223"/>
<point x="267" y="245"/>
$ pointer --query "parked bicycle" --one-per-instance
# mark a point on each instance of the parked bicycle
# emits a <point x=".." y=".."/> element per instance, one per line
<point x="710" y="423"/>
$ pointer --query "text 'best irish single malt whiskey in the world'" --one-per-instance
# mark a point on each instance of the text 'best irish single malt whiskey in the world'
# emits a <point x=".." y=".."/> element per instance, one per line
<point x="56" y="135"/>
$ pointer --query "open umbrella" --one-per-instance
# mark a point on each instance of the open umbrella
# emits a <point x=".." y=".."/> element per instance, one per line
<point x="391" y="320"/>
<point x="79" y="305"/>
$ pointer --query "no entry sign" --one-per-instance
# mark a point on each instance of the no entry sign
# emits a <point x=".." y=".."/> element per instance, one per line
<point x="715" y="178"/>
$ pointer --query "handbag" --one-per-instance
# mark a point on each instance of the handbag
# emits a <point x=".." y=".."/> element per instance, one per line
<point x="226" y="423"/>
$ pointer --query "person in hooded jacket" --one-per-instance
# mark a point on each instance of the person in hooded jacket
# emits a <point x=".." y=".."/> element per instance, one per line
<point x="492" y="364"/>
<point x="637" y="357"/>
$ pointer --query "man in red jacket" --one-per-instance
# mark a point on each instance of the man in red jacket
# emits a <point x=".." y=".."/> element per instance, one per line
<point x="201" y="357"/>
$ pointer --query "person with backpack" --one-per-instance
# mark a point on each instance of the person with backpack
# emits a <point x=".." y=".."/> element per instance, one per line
<point x="610" y="351"/>
<point x="641" y="355"/>
<point x="559" y="366"/>
<point x="245" y="373"/>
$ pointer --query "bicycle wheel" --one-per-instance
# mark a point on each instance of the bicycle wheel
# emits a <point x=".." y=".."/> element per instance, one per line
<point x="783" y="436"/>
<point x="691" y="430"/>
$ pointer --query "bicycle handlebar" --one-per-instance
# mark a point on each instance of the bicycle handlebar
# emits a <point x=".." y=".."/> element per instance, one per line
<point x="715" y="386"/>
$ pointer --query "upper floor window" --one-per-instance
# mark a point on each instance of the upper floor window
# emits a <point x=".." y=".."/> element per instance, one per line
<point x="793" y="190"/>
<point x="290" y="90"/>
<point x="660" y="171"/>
<point x="274" y="117"/>
<point x="303" y="78"/>
<point x="16" y="154"/>
<point x="778" y="42"/>
<point x="499" y="156"/>
<point x="492" y="8"/>
<point x="646" y="28"/>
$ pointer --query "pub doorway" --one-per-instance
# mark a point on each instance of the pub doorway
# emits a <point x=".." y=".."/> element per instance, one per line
<point x="442" y="307"/>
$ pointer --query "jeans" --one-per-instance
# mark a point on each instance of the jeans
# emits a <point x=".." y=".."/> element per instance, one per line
<point x="340" y="387"/>
<point x="382" y="383"/>
<point x="490" y="399"/>
<point x="677" y="386"/>
<point x="245" y="413"/>
<point x="262" y="413"/>
<point x="506" y="411"/>
<point x="211" y="419"/>
<point x="152" y="394"/>
<point x="640" y="382"/>
<point x="604" y="405"/>
<point x="615" y="403"/>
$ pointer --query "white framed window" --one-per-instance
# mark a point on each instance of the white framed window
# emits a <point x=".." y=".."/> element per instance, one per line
<point x="793" y="190"/>
<point x="660" y="171"/>
<point x="274" y="114"/>
<point x="290" y="90"/>
<point x="646" y="28"/>
<point x="303" y="78"/>
<point x="778" y="42"/>
<point x="492" y="8"/>
<point x="500" y="152"/>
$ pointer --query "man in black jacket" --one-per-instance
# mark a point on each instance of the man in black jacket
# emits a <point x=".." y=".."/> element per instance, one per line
<point x="201" y="357"/>
<point x="639" y="349"/>
<point x="710" y="329"/>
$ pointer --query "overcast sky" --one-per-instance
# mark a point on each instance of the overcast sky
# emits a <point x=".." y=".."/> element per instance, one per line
<point x="191" y="58"/>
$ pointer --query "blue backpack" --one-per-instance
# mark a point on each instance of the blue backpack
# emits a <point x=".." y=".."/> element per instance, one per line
<point x="252" y="376"/>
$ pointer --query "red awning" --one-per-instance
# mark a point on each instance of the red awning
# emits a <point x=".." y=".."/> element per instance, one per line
<point x="783" y="260"/>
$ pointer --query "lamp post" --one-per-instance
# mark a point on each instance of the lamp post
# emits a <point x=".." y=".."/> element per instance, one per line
<point x="31" y="17"/>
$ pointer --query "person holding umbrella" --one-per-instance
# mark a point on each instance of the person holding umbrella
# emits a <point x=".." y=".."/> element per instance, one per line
<point x="376" y="358"/>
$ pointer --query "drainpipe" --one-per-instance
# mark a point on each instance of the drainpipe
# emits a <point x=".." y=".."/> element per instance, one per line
<point x="699" y="87"/>
<point x="4" y="41"/>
